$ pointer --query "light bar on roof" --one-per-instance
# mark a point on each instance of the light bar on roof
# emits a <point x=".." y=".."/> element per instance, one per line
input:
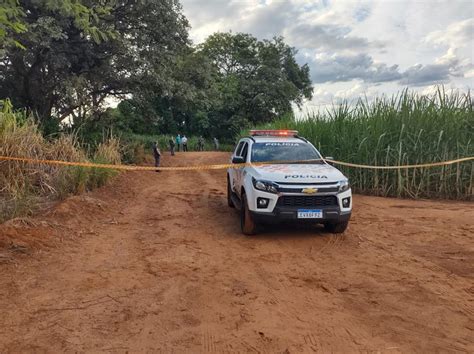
<point x="258" y="132"/>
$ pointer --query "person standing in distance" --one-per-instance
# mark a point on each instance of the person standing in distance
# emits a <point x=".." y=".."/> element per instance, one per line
<point x="156" y="155"/>
<point x="201" y="143"/>
<point x="178" y="142"/>
<point x="184" y="140"/>
<point x="172" y="145"/>
<point x="216" y="144"/>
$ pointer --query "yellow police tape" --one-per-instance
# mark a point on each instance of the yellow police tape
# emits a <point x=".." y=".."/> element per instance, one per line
<point x="220" y="166"/>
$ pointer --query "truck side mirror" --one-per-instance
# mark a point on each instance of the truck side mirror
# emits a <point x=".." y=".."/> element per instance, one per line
<point x="238" y="159"/>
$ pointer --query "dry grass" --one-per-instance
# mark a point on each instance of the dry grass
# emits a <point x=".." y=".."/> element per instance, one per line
<point x="23" y="186"/>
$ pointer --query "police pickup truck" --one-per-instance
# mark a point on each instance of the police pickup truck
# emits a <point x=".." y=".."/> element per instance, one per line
<point x="286" y="179"/>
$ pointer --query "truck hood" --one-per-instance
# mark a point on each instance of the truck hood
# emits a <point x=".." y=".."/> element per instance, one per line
<point x="311" y="173"/>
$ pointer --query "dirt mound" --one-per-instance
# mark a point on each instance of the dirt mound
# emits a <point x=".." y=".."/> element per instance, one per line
<point x="52" y="226"/>
<point x="22" y="236"/>
<point x="83" y="207"/>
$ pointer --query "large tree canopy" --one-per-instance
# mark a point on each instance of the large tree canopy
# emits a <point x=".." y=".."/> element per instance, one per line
<point x="226" y="83"/>
<point x="264" y="72"/>
<point x="67" y="68"/>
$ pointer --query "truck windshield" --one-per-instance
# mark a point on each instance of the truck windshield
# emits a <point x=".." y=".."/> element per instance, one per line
<point x="283" y="151"/>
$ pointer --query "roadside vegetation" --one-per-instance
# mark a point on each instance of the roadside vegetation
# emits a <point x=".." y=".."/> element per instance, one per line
<point x="405" y="129"/>
<point x="23" y="186"/>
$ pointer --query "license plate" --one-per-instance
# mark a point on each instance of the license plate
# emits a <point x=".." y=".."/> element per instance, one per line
<point x="310" y="214"/>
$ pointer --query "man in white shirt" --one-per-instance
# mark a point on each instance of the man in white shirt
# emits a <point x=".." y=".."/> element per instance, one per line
<point x="184" y="141"/>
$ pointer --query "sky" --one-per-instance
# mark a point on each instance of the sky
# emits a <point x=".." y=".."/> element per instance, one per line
<point x="356" y="48"/>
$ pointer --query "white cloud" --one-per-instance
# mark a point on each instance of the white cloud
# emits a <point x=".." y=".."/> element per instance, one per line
<point x="469" y="74"/>
<point x="456" y="36"/>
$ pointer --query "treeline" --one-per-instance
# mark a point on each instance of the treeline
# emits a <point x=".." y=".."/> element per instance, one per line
<point x="63" y="61"/>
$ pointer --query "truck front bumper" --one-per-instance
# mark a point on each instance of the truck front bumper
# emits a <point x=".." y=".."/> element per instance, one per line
<point x="282" y="214"/>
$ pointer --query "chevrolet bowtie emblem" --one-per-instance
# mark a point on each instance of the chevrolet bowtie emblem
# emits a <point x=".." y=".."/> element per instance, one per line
<point x="309" y="190"/>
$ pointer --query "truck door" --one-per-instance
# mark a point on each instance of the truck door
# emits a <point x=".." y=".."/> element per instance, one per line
<point x="233" y="171"/>
<point x="240" y="171"/>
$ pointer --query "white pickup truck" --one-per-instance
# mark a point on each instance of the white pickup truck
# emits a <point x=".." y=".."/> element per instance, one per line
<point x="294" y="183"/>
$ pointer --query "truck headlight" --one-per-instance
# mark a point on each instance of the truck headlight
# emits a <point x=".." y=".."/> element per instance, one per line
<point x="344" y="185"/>
<point x="265" y="186"/>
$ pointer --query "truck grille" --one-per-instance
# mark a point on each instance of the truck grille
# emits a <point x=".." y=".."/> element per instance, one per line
<point x="307" y="200"/>
<point x="299" y="190"/>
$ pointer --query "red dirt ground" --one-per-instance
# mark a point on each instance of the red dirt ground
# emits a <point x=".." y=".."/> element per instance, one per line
<point x="155" y="262"/>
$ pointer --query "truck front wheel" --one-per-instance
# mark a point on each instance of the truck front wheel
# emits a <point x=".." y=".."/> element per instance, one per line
<point x="336" y="228"/>
<point x="247" y="223"/>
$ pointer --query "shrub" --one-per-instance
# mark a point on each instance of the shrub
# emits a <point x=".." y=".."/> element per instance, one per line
<point x="25" y="185"/>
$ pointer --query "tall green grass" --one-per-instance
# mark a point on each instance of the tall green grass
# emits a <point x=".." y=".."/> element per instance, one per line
<point x="407" y="128"/>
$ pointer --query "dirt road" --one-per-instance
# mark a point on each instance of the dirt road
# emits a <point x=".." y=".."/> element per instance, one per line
<point x="155" y="262"/>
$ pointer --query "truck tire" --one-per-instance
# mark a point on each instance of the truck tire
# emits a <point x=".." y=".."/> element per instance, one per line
<point x="230" y="203"/>
<point x="247" y="223"/>
<point x="336" y="228"/>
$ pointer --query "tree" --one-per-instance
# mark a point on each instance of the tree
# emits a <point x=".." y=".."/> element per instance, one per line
<point x="264" y="73"/>
<point x="184" y="106"/>
<point x="68" y="70"/>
